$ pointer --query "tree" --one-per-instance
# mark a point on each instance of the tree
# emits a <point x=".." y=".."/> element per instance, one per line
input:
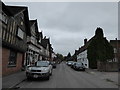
<point x="60" y="56"/>
<point x="99" y="49"/>
<point x="69" y="55"/>
<point x="68" y="58"/>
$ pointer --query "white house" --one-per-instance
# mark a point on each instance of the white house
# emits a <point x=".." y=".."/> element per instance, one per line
<point x="82" y="54"/>
<point x="82" y="57"/>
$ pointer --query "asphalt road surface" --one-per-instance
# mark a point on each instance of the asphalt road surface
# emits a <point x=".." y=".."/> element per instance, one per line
<point x="65" y="77"/>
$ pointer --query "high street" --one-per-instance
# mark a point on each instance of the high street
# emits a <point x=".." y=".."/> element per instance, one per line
<point x="65" y="77"/>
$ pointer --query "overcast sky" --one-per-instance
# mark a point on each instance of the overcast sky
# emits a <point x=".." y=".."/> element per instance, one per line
<point x="68" y="23"/>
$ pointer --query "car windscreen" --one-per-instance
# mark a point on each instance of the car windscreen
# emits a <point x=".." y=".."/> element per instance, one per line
<point x="52" y="62"/>
<point x="78" y="64"/>
<point x="70" y="61"/>
<point x="42" y="64"/>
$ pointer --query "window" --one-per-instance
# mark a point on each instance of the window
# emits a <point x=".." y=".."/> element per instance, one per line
<point x="4" y="18"/>
<point x="0" y="16"/>
<point x="32" y="39"/>
<point x="9" y="38"/>
<point x="3" y="34"/>
<point x="20" y="33"/>
<point x="3" y="31"/>
<point x="40" y="40"/>
<point x="12" y="58"/>
<point x="115" y="50"/>
<point x="33" y="28"/>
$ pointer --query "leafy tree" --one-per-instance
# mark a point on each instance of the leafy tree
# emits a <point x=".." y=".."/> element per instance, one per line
<point x="59" y="56"/>
<point x="74" y="57"/>
<point x="69" y="55"/>
<point x="65" y="58"/>
<point x="68" y="58"/>
<point x="99" y="49"/>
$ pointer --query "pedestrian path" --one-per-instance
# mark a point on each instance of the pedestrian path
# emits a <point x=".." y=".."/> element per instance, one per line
<point x="13" y="79"/>
<point x="108" y="76"/>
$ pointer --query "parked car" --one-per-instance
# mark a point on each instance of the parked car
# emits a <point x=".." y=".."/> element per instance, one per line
<point x="53" y="63"/>
<point x="79" y="66"/>
<point x="66" y="62"/>
<point x="72" y="64"/>
<point x="42" y="69"/>
<point x="69" y="63"/>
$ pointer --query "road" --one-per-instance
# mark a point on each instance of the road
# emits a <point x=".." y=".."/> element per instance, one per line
<point x="65" y="77"/>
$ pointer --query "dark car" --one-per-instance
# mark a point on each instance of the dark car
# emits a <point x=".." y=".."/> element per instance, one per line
<point x="79" y="66"/>
<point x="53" y="64"/>
<point x="72" y="64"/>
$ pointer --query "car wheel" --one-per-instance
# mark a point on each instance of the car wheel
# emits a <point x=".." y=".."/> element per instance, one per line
<point x="51" y="73"/>
<point x="84" y="69"/>
<point x="28" y="78"/>
<point x="48" y="77"/>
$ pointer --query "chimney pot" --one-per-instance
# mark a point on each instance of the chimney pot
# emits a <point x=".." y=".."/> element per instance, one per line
<point x="85" y="41"/>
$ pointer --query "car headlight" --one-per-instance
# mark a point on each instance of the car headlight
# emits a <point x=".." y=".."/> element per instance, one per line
<point x="45" y="70"/>
<point x="28" y="70"/>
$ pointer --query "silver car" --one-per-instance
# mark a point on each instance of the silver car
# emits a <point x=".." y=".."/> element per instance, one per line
<point x="42" y="69"/>
<point x="69" y="63"/>
<point x="78" y="66"/>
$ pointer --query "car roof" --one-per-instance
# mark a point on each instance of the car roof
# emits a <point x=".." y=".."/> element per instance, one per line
<point x="70" y="61"/>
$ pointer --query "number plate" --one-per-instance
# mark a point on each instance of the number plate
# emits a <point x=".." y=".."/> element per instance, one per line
<point x="35" y="76"/>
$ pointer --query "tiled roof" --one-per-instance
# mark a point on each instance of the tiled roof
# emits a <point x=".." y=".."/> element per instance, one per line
<point x="32" y="22"/>
<point x="84" y="47"/>
<point x="115" y="41"/>
<point x="45" y="42"/>
<point x="5" y="9"/>
<point x="15" y="9"/>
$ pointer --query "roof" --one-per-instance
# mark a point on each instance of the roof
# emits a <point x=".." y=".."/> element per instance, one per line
<point x="5" y="9"/>
<point x="15" y="9"/>
<point x="84" y="47"/>
<point x="40" y="34"/>
<point x="32" y="22"/>
<point x="115" y="41"/>
<point x="45" y="42"/>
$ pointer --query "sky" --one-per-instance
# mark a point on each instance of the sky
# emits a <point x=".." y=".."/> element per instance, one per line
<point x="69" y="23"/>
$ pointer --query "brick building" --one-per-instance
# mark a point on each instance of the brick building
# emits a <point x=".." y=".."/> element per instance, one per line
<point x="15" y="27"/>
<point x="116" y="46"/>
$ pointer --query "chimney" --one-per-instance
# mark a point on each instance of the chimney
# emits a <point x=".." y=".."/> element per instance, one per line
<point x="85" y="41"/>
<point x="45" y="37"/>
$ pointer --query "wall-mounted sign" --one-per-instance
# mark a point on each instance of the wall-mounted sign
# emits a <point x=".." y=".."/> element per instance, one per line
<point x="33" y="48"/>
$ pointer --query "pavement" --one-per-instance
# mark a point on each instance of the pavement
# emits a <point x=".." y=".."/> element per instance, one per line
<point x="12" y="80"/>
<point x="108" y="76"/>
